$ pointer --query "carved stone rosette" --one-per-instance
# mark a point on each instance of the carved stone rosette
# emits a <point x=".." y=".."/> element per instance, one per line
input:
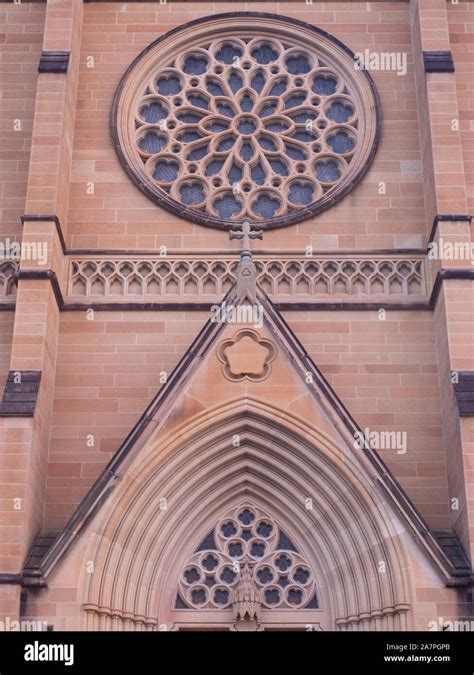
<point x="246" y="116"/>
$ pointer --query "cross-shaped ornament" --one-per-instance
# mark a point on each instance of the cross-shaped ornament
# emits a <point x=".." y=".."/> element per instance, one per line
<point x="246" y="272"/>
<point x="246" y="233"/>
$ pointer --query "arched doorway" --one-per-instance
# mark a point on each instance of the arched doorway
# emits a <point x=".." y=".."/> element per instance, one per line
<point x="313" y="491"/>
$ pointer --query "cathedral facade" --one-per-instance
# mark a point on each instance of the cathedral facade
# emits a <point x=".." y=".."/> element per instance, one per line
<point x="237" y="311"/>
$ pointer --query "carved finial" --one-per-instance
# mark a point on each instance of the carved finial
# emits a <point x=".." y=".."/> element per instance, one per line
<point x="246" y="233"/>
<point x="246" y="271"/>
<point x="247" y="600"/>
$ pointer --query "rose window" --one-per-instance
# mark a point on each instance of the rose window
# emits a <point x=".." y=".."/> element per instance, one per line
<point x="246" y="536"/>
<point x="266" y="120"/>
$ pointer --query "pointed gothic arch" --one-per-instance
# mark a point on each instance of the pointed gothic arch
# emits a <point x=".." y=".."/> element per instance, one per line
<point x="351" y="536"/>
<point x="246" y="566"/>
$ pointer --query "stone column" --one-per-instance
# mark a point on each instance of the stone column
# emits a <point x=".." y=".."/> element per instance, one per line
<point x="448" y="220"/>
<point x="25" y="428"/>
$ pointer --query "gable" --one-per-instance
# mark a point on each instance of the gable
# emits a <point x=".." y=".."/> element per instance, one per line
<point x="243" y="364"/>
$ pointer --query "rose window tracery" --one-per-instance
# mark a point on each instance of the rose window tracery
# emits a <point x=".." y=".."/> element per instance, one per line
<point x="258" y="121"/>
<point x="247" y="539"/>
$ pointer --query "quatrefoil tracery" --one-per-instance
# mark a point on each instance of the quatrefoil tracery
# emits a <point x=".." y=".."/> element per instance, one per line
<point x="265" y="124"/>
<point x="247" y="129"/>
<point x="247" y="536"/>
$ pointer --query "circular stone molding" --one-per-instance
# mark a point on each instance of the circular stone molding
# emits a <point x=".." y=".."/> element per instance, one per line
<point x="246" y="116"/>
